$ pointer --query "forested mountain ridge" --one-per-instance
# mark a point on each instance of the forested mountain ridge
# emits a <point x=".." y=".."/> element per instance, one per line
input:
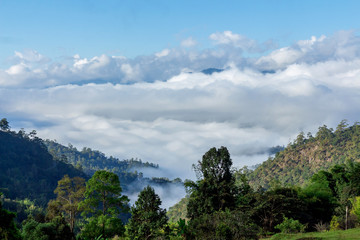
<point x="298" y="162"/>
<point x="90" y="161"/>
<point x="27" y="170"/>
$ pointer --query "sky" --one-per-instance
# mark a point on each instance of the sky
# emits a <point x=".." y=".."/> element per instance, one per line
<point x="125" y="77"/>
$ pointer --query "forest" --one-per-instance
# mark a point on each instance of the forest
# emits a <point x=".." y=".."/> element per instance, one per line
<point x="54" y="192"/>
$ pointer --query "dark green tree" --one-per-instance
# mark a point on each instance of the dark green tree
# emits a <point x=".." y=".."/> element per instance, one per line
<point x="215" y="189"/>
<point x="4" y="125"/>
<point x="57" y="229"/>
<point x="102" y="205"/>
<point x="8" y="229"/>
<point x="271" y="206"/>
<point x="147" y="218"/>
<point x="223" y="225"/>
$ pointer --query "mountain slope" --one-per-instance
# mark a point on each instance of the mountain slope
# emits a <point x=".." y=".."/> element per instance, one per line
<point x="27" y="170"/>
<point x="307" y="155"/>
<point x="129" y="171"/>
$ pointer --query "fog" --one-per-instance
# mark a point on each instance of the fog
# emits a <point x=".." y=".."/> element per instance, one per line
<point x="161" y="108"/>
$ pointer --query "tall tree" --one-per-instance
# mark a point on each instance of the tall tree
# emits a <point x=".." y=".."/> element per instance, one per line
<point x="103" y="203"/>
<point x="4" y="125"/>
<point x="215" y="190"/>
<point x="70" y="192"/>
<point x="147" y="218"/>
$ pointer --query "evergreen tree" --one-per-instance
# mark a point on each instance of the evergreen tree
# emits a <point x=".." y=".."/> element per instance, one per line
<point x="4" y="125"/>
<point x="103" y="203"/>
<point x="215" y="190"/>
<point x="147" y="218"/>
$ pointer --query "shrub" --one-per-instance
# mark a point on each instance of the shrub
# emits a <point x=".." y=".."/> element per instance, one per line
<point x="290" y="225"/>
<point x="334" y="224"/>
<point x="321" y="227"/>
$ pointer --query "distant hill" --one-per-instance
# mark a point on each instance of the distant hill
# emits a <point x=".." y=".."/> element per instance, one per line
<point x="27" y="170"/>
<point x="210" y="71"/>
<point x="307" y="155"/>
<point x="89" y="161"/>
<point x="179" y="210"/>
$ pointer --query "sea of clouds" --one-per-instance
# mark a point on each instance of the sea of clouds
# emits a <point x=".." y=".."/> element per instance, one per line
<point x="163" y="109"/>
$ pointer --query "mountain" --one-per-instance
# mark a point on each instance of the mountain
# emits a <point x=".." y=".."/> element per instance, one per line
<point x="27" y="170"/>
<point x="210" y="71"/>
<point x="179" y="210"/>
<point x="129" y="171"/>
<point x="307" y="155"/>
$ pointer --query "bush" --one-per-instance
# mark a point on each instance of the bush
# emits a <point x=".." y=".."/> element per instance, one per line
<point x="223" y="225"/>
<point x="290" y="225"/>
<point x="321" y="227"/>
<point x="334" y="224"/>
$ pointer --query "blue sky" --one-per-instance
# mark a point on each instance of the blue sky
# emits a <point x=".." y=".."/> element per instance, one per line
<point x="125" y="77"/>
<point x="132" y="28"/>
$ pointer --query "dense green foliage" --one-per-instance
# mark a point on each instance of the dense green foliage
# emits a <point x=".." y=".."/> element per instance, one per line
<point x="215" y="189"/>
<point x="102" y="205"/>
<point x="147" y="218"/>
<point x="8" y="230"/>
<point x="290" y="225"/>
<point x="212" y="201"/>
<point x="221" y="225"/>
<point x="70" y="192"/>
<point x="27" y="170"/>
<point x="221" y="203"/>
<point x="178" y="211"/>
<point x="54" y="230"/>
<point x="308" y="154"/>
<point x="90" y="161"/>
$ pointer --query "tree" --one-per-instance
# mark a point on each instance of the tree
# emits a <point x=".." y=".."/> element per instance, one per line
<point x="215" y="190"/>
<point x="147" y="218"/>
<point x="70" y="192"/>
<point x="4" y="125"/>
<point x="103" y="203"/>
<point x="272" y="205"/>
<point x="57" y="229"/>
<point x="223" y="225"/>
<point x="8" y="229"/>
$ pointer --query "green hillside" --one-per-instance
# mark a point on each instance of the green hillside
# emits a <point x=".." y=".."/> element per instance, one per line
<point x="309" y="154"/>
<point x="90" y="161"/>
<point x="27" y="170"/>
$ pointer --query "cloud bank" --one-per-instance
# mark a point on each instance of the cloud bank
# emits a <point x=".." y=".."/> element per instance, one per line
<point x="163" y="109"/>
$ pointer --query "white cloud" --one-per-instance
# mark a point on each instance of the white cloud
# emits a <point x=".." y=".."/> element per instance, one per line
<point x="30" y="56"/>
<point x="163" y="53"/>
<point x="162" y="109"/>
<point x="228" y="38"/>
<point x="189" y="42"/>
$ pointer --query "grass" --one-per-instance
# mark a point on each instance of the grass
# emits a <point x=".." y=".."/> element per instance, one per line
<point x="331" y="235"/>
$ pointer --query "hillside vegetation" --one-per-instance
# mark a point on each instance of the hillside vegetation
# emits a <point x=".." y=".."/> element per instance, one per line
<point x="27" y="170"/>
<point x="90" y="161"/>
<point x="221" y="203"/>
<point x="301" y="159"/>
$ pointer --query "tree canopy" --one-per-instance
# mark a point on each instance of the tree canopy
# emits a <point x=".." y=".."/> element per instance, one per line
<point x="102" y="204"/>
<point x="147" y="217"/>
<point x="215" y="189"/>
